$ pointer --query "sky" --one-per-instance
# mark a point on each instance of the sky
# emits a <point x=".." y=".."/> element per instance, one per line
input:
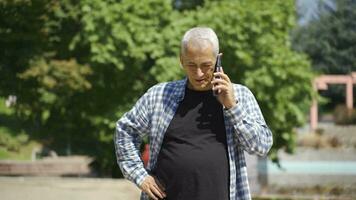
<point x="309" y="9"/>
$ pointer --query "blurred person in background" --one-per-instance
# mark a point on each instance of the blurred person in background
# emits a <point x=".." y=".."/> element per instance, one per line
<point x="197" y="139"/>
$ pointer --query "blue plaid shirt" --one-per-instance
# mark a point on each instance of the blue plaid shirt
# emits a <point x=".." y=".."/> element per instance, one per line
<point x="246" y="130"/>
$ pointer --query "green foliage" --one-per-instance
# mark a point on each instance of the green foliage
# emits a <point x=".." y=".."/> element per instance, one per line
<point x="10" y="139"/>
<point x="256" y="52"/>
<point x="21" y="38"/>
<point x="55" y="84"/>
<point x="12" y="143"/>
<point x="15" y="143"/>
<point x="329" y="40"/>
<point x="92" y="59"/>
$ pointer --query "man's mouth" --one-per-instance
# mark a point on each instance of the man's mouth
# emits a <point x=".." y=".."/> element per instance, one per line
<point x="199" y="80"/>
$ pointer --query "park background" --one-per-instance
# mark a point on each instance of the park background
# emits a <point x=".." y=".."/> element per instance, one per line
<point x="70" y="69"/>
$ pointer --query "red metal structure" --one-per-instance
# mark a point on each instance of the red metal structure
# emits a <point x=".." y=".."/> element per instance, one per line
<point x="321" y="83"/>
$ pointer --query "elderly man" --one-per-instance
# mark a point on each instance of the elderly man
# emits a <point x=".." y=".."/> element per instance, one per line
<point x="197" y="139"/>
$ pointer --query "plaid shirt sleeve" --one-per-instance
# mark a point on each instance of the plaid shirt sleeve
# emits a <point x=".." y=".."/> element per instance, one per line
<point x="248" y="123"/>
<point x="129" y="131"/>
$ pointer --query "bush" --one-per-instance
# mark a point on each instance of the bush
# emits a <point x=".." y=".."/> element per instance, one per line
<point x="12" y="143"/>
<point x="344" y="115"/>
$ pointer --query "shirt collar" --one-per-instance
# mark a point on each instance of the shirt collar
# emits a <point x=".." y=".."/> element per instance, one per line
<point x="180" y="89"/>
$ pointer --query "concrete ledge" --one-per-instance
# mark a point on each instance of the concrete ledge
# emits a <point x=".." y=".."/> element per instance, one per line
<point x="60" y="166"/>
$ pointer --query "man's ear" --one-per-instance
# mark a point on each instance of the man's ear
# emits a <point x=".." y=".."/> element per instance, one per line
<point x="181" y="61"/>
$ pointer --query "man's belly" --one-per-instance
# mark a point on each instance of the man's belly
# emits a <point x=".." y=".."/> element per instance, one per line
<point x="184" y="169"/>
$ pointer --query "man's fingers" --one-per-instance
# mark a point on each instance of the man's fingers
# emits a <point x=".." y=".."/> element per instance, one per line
<point x="155" y="190"/>
<point x="220" y="88"/>
<point x="219" y="81"/>
<point x="151" y="194"/>
<point x="160" y="190"/>
<point x="150" y="187"/>
<point x="160" y="186"/>
<point x="222" y="75"/>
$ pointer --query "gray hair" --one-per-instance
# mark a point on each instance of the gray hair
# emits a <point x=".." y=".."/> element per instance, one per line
<point x="199" y="34"/>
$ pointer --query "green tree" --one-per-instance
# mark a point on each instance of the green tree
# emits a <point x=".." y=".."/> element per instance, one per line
<point x="92" y="59"/>
<point x="21" y="38"/>
<point x="329" y="40"/>
<point x="254" y="38"/>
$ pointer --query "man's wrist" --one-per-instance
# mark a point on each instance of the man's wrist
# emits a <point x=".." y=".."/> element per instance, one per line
<point x="236" y="113"/>
<point x="227" y="107"/>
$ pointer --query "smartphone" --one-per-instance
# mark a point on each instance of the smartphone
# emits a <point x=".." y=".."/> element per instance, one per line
<point x="218" y="68"/>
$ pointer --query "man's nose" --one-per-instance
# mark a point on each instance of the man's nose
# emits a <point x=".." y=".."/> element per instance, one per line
<point x="199" y="72"/>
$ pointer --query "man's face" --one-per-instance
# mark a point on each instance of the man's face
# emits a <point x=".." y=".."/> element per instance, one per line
<point x="198" y="64"/>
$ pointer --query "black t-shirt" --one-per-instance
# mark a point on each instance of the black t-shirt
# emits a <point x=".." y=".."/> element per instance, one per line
<point x="193" y="161"/>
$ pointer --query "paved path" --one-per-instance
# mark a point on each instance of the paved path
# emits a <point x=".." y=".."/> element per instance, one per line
<point x="52" y="188"/>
